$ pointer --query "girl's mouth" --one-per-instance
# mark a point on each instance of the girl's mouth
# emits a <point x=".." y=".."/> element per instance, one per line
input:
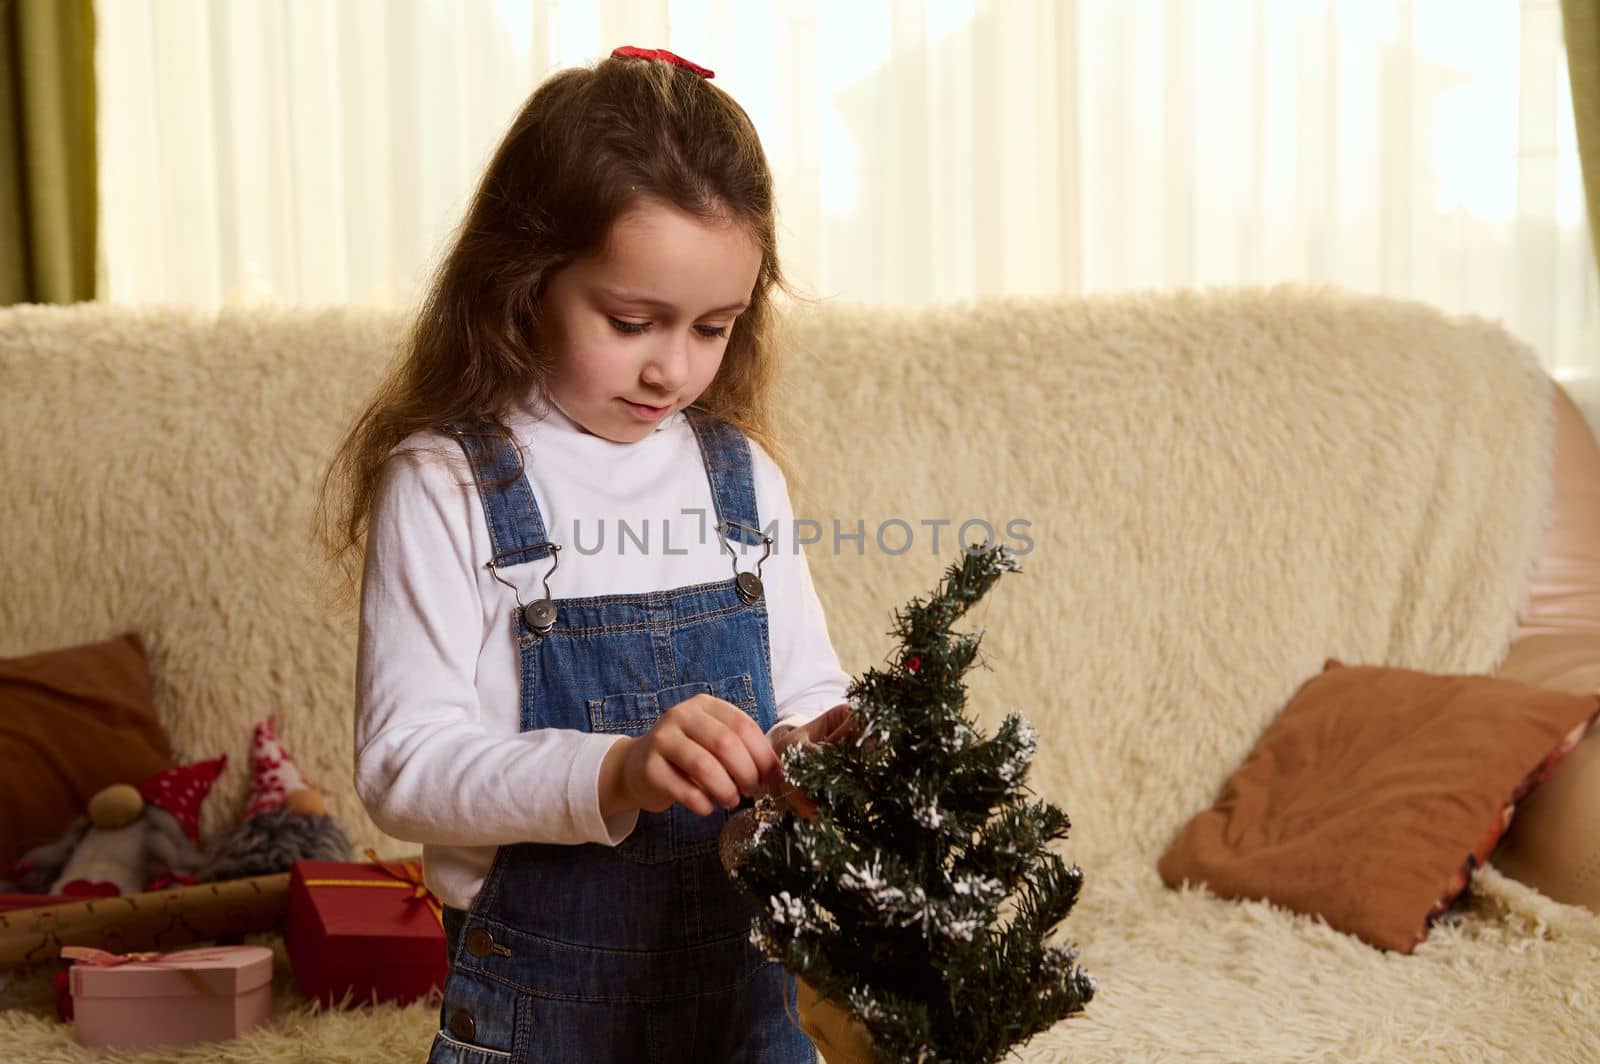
<point x="647" y="413"/>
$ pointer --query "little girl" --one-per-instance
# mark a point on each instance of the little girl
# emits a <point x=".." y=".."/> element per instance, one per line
<point x="579" y="649"/>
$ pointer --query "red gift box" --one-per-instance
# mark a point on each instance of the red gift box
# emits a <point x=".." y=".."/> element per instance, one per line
<point x="370" y="931"/>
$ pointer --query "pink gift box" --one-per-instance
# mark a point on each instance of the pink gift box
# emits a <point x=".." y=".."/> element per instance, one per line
<point x="195" y="995"/>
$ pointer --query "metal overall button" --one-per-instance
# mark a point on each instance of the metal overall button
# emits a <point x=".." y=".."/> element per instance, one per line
<point x="748" y="585"/>
<point x="463" y="1026"/>
<point x="480" y="944"/>
<point x="537" y="617"/>
<point x="540" y="616"/>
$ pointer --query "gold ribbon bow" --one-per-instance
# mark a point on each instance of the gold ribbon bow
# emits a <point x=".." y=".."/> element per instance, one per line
<point x="406" y="875"/>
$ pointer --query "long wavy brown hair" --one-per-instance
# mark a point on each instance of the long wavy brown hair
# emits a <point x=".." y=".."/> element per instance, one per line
<point x="587" y="146"/>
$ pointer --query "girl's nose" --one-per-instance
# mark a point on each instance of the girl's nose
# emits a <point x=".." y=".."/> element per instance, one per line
<point x="668" y="365"/>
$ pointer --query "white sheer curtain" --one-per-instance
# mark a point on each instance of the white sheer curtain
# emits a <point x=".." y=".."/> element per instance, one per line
<point x="319" y="152"/>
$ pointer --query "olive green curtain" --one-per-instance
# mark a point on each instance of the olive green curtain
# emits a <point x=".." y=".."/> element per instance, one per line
<point x="48" y="200"/>
<point x="1581" y="21"/>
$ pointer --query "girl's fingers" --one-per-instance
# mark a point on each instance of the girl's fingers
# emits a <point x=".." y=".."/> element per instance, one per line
<point x="668" y="778"/>
<point x="725" y="746"/>
<point x="835" y="725"/>
<point x="763" y="759"/>
<point x="703" y="770"/>
<point x="687" y="792"/>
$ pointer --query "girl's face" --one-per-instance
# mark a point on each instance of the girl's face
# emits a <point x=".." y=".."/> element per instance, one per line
<point x="637" y="330"/>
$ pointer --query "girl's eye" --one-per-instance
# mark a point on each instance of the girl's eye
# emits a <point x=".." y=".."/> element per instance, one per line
<point x="634" y="328"/>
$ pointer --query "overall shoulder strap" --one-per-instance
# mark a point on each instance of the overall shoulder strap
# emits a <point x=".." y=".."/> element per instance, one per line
<point x="726" y="453"/>
<point x="516" y="531"/>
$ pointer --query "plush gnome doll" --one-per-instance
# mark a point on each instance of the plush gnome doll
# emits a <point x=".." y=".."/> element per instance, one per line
<point x="132" y="838"/>
<point x="286" y="820"/>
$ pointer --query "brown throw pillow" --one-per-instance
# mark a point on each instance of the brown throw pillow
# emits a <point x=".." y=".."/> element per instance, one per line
<point x="1373" y="792"/>
<point x="71" y="722"/>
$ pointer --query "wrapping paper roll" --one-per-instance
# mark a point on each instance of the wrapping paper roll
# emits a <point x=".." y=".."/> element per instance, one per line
<point x="154" y="920"/>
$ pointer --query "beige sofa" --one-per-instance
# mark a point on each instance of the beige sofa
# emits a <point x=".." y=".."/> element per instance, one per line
<point x="1215" y="491"/>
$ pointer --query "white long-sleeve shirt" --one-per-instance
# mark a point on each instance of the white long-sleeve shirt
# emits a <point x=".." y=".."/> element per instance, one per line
<point x="440" y="758"/>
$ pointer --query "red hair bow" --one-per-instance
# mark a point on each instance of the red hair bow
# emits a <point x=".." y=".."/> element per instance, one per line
<point x="661" y="54"/>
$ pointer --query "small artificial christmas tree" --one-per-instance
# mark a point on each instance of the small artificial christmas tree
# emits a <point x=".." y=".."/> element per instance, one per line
<point x="890" y="898"/>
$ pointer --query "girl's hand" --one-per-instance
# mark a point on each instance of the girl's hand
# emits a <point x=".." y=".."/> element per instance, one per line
<point x="833" y="725"/>
<point x="703" y="752"/>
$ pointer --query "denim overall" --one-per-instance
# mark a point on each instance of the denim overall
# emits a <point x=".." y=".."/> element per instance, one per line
<point x="640" y="952"/>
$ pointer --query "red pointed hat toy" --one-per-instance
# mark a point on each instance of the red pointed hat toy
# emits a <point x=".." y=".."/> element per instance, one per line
<point x="180" y="790"/>
<point x="663" y="56"/>
<point x="273" y="774"/>
<point x="119" y="845"/>
<point x="286" y="819"/>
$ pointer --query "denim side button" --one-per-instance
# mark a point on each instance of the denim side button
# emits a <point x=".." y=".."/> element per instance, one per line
<point x="479" y="942"/>
<point x="462" y="1027"/>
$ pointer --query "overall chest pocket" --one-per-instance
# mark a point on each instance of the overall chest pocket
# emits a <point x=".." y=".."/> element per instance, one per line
<point x="676" y="832"/>
<point x="634" y="712"/>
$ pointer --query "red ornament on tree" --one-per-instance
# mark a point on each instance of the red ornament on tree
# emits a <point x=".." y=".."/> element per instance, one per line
<point x="913" y="663"/>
